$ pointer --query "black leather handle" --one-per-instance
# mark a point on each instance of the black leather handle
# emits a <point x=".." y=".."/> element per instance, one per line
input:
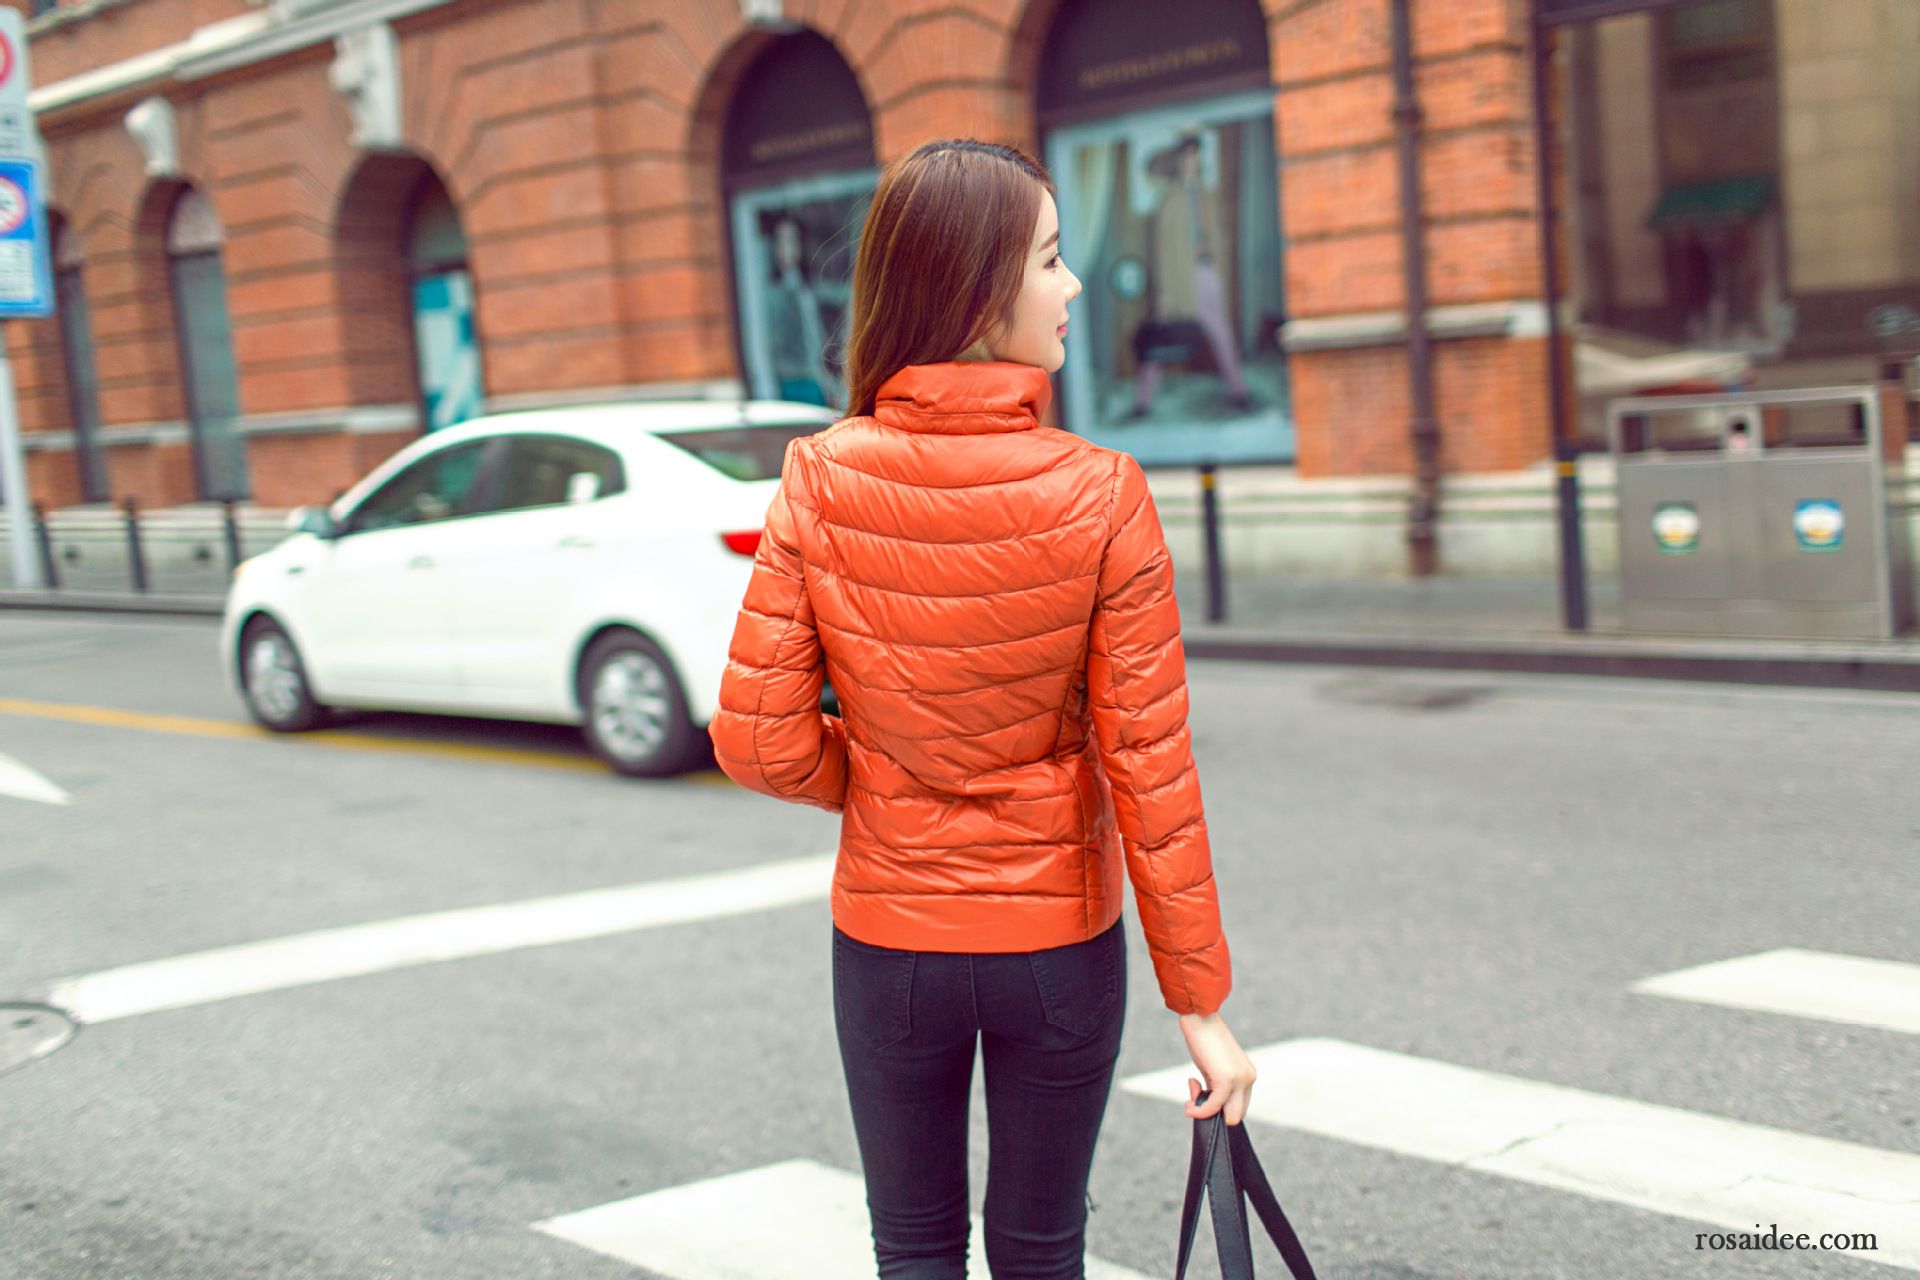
<point x="1226" y="1171"/>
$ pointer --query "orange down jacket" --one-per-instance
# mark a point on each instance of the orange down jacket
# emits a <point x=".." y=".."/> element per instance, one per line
<point x="993" y="602"/>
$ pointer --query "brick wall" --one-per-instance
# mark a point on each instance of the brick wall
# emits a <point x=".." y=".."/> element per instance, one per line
<point x="579" y="142"/>
<point x="1340" y="209"/>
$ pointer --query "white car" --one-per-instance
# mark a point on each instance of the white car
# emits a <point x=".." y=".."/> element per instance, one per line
<point x="579" y="565"/>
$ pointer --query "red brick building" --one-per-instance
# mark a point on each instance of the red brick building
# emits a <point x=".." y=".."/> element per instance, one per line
<point x="263" y="210"/>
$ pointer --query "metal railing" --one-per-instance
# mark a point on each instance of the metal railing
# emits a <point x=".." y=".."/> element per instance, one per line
<point x="177" y="550"/>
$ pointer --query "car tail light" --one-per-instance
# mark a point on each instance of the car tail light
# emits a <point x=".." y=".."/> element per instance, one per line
<point x="742" y="543"/>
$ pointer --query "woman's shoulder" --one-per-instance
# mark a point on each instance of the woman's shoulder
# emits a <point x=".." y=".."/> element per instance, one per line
<point x="1116" y="465"/>
<point x="852" y="422"/>
<point x="1077" y="448"/>
<point x="833" y="432"/>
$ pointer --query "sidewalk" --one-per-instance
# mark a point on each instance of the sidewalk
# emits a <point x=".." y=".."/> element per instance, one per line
<point x="1461" y="624"/>
<point x="1509" y="624"/>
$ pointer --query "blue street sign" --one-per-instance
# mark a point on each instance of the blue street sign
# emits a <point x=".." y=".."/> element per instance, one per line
<point x="26" y="269"/>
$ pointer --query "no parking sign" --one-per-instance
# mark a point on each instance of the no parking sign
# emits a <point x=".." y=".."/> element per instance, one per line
<point x="25" y="271"/>
<point x="26" y="274"/>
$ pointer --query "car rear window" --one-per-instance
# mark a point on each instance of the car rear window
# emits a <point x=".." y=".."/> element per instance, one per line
<point x="744" y="453"/>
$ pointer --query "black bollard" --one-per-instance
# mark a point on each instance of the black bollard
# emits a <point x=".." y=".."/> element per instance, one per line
<point x="136" y="558"/>
<point x="49" y="570"/>
<point x="233" y="536"/>
<point x="1216" y="568"/>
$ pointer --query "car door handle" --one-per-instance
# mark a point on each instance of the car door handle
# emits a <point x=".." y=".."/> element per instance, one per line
<point x="294" y="569"/>
<point x="576" y="541"/>
<point x="420" y="562"/>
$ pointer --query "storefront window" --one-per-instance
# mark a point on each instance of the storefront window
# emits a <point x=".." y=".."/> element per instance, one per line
<point x="794" y="249"/>
<point x="1159" y="135"/>
<point x="452" y="386"/>
<point x="1736" y="223"/>
<point x="799" y="171"/>
<point x="1169" y="219"/>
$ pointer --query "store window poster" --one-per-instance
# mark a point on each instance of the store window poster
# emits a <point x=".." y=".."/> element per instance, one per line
<point x="451" y="387"/>
<point x="794" y="248"/>
<point x="1171" y="221"/>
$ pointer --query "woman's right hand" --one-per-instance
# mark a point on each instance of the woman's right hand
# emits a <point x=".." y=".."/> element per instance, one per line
<point x="1227" y="1070"/>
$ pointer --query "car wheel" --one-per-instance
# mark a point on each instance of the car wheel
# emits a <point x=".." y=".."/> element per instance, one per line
<point x="635" y="712"/>
<point x="275" y="680"/>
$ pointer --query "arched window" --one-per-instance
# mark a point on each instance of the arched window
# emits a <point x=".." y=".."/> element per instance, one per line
<point x="797" y="163"/>
<point x="199" y="284"/>
<point x="76" y="349"/>
<point x="452" y="388"/>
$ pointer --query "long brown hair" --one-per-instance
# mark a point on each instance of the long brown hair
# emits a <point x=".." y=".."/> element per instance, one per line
<point x="942" y="257"/>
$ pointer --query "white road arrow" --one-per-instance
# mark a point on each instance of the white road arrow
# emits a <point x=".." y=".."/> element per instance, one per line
<point x="22" y="783"/>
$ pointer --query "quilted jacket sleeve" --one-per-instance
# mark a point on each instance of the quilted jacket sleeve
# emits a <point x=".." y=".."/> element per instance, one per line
<point x="769" y="732"/>
<point x="1137" y="687"/>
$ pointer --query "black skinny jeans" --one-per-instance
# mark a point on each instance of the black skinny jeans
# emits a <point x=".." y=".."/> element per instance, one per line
<point x="1049" y="1025"/>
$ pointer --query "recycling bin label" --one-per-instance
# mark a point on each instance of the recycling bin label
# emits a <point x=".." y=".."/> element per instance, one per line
<point x="1676" y="528"/>
<point x="1819" y="525"/>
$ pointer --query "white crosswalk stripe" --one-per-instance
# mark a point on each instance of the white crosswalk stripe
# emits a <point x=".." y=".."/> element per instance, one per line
<point x="1707" y="1168"/>
<point x="357" y="950"/>
<point x="1807" y="984"/>
<point x="808" y="1221"/>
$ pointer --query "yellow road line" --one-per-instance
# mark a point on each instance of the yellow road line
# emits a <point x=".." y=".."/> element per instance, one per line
<point x="153" y="722"/>
<point x="116" y="719"/>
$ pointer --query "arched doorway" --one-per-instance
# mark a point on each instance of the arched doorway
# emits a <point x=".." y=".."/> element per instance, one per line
<point x="76" y="350"/>
<point x="446" y="345"/>
<point x="798" y="172"/>
<point x="198" y="282"/>
<point x="1158" y="129"/>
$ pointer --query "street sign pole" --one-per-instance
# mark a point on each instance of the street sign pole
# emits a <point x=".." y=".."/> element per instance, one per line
<point x="13" y="475"/>
<point x="1566" y="456"/>
<point x="26" y="275"/>
<point x="1547" y="15"/>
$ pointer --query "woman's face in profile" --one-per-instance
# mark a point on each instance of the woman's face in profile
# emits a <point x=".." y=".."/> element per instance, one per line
<point x="1036" y="334"/>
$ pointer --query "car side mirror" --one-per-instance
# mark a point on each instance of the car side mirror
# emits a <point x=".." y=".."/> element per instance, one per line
<point x="583" y="486"/>
<point x="313" y="520"/>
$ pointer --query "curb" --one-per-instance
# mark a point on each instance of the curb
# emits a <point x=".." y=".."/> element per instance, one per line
<point x="114" y="602"/>
<point x="1782" y="663"/>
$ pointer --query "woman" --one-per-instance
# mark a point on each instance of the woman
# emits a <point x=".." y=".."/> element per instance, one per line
<point x="993" y="602"/>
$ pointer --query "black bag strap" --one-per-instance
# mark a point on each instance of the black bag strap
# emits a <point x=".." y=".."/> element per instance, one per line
<point x="1225" y="1169"/>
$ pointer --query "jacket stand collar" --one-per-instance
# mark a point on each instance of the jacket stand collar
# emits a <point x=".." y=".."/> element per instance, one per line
<point x="964" y="397"/>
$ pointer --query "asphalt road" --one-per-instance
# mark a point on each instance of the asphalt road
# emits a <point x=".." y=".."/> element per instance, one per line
<point x="1461" y="870"/>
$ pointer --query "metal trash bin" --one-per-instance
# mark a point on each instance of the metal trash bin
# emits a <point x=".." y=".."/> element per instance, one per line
<point x="1764" y="513"/>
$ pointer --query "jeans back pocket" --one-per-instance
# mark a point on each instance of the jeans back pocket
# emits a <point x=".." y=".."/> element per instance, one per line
<point x="1080" y="982"/>
<point x="872" y="991"/>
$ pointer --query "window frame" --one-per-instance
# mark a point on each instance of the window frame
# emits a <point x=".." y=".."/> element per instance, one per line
<point x="673" y="438"/>
<point x="472" y="504"/>
<point x="522" y="439"/>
